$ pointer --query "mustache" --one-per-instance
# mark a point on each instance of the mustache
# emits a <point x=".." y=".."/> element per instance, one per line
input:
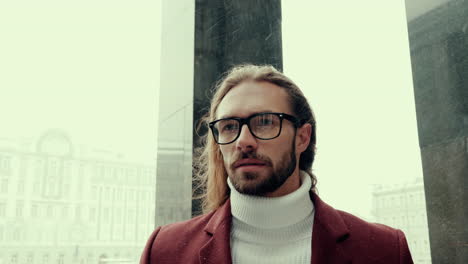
<point x="251" y="155"/>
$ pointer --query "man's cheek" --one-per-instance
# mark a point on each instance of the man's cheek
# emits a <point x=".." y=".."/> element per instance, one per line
<point x="226" y="165"/>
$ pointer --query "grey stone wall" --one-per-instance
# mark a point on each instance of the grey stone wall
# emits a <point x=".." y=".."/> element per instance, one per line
<point x="439" y="55"/>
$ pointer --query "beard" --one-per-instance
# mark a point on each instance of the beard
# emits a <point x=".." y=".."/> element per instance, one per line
<point x="270" y="183"/>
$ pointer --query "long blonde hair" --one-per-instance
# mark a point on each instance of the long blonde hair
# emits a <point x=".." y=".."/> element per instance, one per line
<point x="209" y="172"/>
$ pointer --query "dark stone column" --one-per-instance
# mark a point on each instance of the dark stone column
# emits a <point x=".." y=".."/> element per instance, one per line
<point x="439" y="55"/>
<point x="229" y="33"/>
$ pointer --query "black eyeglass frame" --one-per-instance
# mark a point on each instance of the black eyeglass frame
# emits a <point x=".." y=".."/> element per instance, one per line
<point x="246" y="121"/>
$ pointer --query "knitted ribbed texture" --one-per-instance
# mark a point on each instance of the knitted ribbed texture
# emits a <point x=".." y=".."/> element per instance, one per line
<point x="272" y="230"/>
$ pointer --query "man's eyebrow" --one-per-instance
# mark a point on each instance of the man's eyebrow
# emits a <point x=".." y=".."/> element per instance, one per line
<point x="253" y="113"/>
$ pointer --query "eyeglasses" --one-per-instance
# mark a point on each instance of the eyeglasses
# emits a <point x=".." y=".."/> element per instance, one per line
<point x="263" y="126"/>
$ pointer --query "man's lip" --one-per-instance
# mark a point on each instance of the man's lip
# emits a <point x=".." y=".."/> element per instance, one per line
<point x="244" y="162"/>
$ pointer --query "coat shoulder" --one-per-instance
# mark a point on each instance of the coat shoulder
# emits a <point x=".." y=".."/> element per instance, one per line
<point x="177" y="242"/>
<point x="184" y="234"/>
<point x="359" y="226"/>
<point x="376" y="241"/>
<point x="185" y="228"/>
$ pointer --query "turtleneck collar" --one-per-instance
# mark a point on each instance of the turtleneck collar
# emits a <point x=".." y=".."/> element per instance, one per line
<point x="273" y="212"/>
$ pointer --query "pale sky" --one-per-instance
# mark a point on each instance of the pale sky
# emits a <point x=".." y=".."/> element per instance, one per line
<point x="92" y="68"/>
<point x="352" y="62"/>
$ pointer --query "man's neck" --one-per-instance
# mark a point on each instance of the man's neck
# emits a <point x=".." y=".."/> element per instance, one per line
<point x="273" y="212"/>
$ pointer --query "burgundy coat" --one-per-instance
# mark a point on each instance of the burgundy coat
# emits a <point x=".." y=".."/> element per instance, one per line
<point x="337" y="237"/>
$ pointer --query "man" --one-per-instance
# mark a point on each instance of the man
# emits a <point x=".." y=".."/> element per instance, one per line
<point x="260" y="200"/>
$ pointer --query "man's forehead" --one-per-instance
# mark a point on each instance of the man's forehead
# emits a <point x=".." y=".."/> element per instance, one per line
<point x="249" y="98"/>
<point x="247" y="114"/>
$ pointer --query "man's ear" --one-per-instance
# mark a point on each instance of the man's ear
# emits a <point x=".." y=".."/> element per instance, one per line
<point x="303" y="137"/>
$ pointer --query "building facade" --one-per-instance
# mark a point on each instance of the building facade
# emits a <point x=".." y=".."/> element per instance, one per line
<point x="403" y="206"/>
<point x="60" y="203"/>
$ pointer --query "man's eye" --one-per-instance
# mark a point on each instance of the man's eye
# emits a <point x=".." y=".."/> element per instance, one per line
<point x="229" y="127"/>
<point x="265" y="122"/>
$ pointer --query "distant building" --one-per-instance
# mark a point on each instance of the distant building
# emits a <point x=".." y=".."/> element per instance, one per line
<point x="403" y="206"/>
<point x="62" y="204"/>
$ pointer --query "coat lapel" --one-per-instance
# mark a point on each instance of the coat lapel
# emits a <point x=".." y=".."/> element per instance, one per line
<point x="217" y="249"/>
<point x="329" y="233"/>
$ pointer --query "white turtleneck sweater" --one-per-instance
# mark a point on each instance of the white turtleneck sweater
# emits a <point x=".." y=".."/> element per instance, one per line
<point x="272" y="230"/>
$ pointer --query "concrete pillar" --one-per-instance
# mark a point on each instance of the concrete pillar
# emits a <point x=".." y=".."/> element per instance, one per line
<point x="439" y="55"/>
<point x="229" y="33"/>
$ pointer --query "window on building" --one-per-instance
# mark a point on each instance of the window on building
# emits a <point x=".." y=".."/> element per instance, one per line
<point x="20" y="187"/>
<point x="61" y="259"/>
<point x="30" y="258"/>
<point x="19" y="208"/>
<point x="78" y="212"/>
<point x="2" y="209"/>
<point x="66" y="190"/>
<point x="16" y="234"/>
<point x="129" y="175"/>
<point x="94" y="192"/>
<point x="5" y="164"/>
<point x="119" y="215"/>
<point x="65" y="211"/>
<point x="50" y="211"/>
<point x="36" y="187"/>
<point x="106" y="214"/>
<point x="14" y="259"/>
<point x="92" y="214"/>
<point x="33" y="210"/>
<point x="89" y="258"/>
<point x="4" y="187"/>
<point x="45" y="259"/>
<point x="131" y="216"/>
<point x="107" y="193"/>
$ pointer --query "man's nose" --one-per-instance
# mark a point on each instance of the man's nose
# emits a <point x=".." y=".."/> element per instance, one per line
<point x="246" y="140"/>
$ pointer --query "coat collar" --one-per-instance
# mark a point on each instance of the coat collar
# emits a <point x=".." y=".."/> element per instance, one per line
<point x="329" y="231"/>
<point x="218" y="249"/>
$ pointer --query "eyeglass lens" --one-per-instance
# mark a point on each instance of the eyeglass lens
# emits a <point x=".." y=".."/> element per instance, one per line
<point x="265" y="126"/>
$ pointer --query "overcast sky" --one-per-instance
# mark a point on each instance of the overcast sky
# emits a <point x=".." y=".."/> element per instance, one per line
<point x="352" y="61"/>
<point x="92" y="69"/>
